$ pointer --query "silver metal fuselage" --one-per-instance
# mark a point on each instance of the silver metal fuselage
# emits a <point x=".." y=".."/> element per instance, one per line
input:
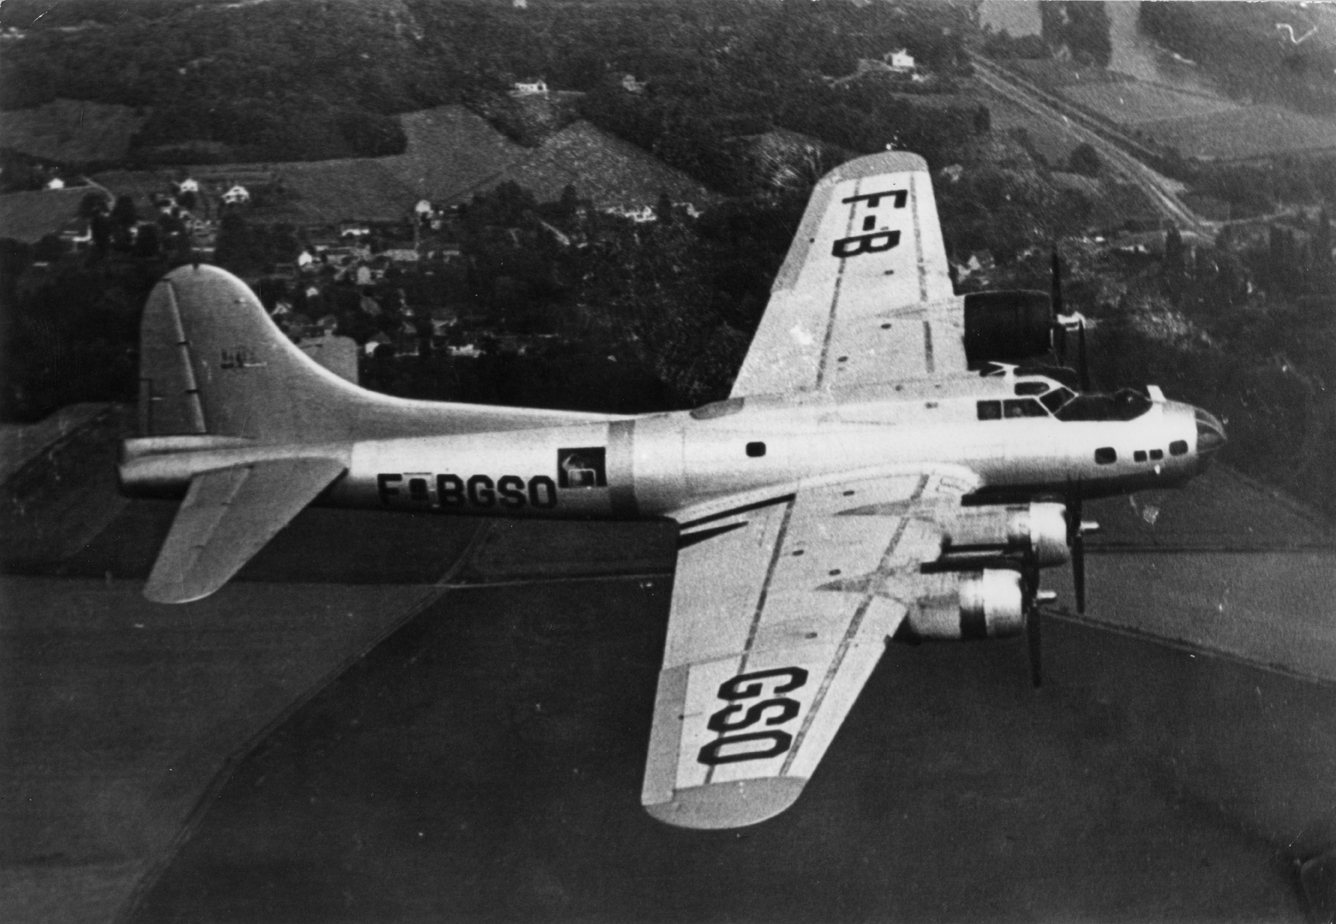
<point x="665" y="464"/>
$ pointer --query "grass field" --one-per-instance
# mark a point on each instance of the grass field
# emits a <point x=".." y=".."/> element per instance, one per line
<point x="1238" y="134"/>
<point x="71" y="131"/>
<point x="1132" y="102"/>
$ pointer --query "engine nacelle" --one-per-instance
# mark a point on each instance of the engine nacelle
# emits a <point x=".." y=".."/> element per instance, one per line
<point x="1042" y="528"/>
<point x="1038" y="529"/>
<point x="989" y="604"/>
<point x="1009" y="326"/>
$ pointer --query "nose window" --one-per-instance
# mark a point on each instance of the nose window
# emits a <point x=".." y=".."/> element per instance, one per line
<point x="1178" y="448"/>
<point x="1106" y="455"/>
<point x="756" y="450"/>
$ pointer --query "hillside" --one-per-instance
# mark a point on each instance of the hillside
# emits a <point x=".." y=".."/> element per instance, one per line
<point x="72" y="131"/>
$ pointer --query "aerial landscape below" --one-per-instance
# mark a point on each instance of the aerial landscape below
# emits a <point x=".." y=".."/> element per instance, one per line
<point x="738" y="340"/>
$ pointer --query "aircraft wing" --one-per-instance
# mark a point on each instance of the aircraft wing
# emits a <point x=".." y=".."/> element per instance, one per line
<point x="227" y="516"/>
<point x="864" y="295"/>
<point x="779" y="614"/>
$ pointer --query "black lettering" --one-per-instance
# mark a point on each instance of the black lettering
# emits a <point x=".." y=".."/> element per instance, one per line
<point x="719" y="722"/>
<point x="481" y="491"/>
<point x="450" y="490"/>
<point x="417" y="490"/>
<point x="383" y="483"/>
<point x="542" y="492"/>
<point x="712" y="754"/>
<point x="511" y="489"/>
<point x="873" y="200"/>
<point x="879" y="242"/>
<point x="732" y="691"/>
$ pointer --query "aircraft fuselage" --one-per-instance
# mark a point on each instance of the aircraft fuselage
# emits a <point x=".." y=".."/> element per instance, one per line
<point x="656" y="465"/>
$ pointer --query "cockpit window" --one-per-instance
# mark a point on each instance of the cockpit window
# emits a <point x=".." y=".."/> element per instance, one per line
<point x="1031" y="388"/>
<point x="1057" y="398"/>
<point x="1126" y="404"/>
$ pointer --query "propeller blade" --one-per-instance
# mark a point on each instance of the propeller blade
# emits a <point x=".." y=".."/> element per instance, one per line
<point x="1035" y="644"/>
<point x="1057" y="281"/>
<point x="1078" y="570"/>
<point x="1082" y="369"/>
<point x="1076" y="542"/>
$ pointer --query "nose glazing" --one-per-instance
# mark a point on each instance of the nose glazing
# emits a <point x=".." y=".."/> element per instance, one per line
<point x="1210" y="433"/>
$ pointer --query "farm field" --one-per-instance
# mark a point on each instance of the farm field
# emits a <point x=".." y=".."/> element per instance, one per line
<point x="604" y="169"/>
<point x="1134" y="102"/>
<point x="1245" y="132"/>
<point x="452" y="154"/>
<point x="71" y="131"/>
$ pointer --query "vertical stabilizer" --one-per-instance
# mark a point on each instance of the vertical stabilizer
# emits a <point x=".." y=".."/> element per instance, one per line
<point x="212" y="361"/>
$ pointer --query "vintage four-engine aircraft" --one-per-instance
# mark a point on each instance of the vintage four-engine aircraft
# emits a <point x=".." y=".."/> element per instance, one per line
<point x="876" y="473"/>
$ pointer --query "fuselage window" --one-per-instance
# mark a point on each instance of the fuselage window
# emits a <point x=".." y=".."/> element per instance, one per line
<point x="1178" y="448"/>
<point x="990" y="410"/>
<point x="1106" y="455"/>
<point x="1139" y="456"/>
<point x="755" y="450"/>
<point x="1023" y="407"/>
<point x="1156" y="455"/>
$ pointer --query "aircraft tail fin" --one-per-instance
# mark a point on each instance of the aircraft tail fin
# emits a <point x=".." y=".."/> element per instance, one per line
<point x="212" y="361"/>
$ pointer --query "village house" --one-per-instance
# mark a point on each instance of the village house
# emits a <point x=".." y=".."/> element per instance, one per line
<point x="237" y="195"/>
<point x="530" y="88"/>
<point x="900" y="61"/>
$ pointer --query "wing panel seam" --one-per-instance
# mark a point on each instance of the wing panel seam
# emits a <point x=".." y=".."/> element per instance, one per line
<point x="835" y="296"/>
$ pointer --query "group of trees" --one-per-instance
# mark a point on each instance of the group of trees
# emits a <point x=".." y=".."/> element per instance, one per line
<point x="291" y="80"/>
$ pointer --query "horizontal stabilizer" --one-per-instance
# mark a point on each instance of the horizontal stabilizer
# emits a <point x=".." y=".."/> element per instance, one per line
<point x="228" y="516"/>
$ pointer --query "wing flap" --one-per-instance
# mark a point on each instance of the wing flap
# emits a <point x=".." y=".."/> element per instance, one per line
<point x="227" y="516"/>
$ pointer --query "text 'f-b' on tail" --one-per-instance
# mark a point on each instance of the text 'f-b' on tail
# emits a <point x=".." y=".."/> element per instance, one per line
<point x="212" y="361"/>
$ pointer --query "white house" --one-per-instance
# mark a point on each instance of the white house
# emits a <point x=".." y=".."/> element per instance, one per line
<point x="534" y="88"/>
<point x="900" y="60"/>
<point x="237" y="195"/>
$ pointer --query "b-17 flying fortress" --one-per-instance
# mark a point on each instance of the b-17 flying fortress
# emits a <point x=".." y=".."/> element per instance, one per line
<point x="891" y="463"/>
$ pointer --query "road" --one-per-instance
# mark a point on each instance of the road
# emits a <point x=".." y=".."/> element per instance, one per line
<point x="1162" y="191"/>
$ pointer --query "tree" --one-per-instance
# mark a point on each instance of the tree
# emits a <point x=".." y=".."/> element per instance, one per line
<point x="123" y="213"/>
<point x="92" y="204"/>
<point x="1085" y="160"/>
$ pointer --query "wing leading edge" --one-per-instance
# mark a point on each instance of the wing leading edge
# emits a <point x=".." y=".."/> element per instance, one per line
<point x="776" y="623"/>
<point x="864" y="295"/>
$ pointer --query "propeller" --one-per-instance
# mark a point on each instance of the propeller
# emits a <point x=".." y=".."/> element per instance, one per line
<point x="1034" y="597"/>
<point x="1081" y="368"/>
<point x="1060" y="329"/>
<point x="1060" y="332"/>
<point x="1077" y="542"/>
<point x="1076" y="531"/>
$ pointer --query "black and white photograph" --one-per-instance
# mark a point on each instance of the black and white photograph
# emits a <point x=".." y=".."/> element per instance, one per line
<point x="667" y="461"/>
